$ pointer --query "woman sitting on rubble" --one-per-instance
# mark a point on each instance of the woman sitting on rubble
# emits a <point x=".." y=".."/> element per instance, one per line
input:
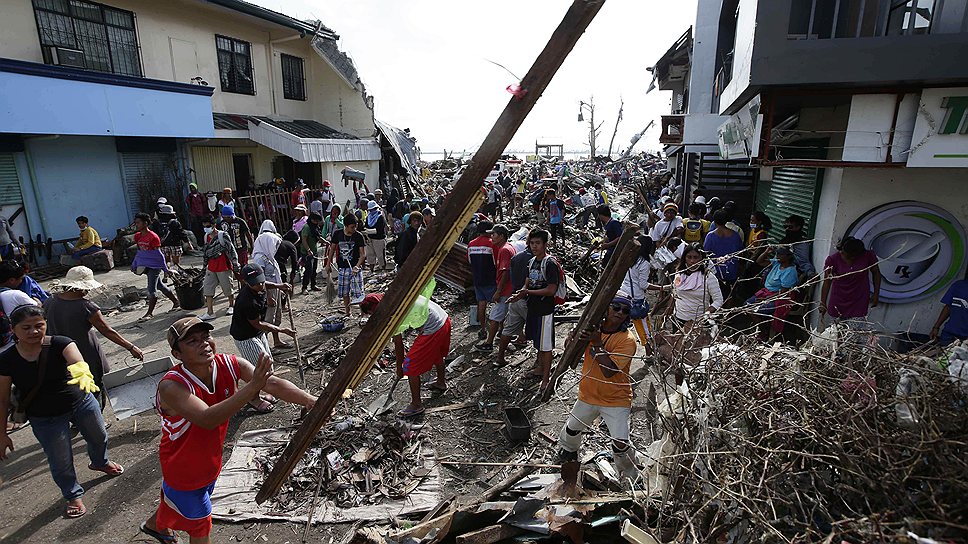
<point x="56" y="385"/>
<point x="696" y="294"/>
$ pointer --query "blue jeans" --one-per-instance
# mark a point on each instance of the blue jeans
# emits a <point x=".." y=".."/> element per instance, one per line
<point x="82" y="252"/>
<point x="155" y="284"/>
<point x="54" y="435"/>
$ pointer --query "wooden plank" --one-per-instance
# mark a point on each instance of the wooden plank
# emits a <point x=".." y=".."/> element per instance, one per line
<point x="457" y="211"/>
<point x="489" y="535"/>
<point x="622" y="259"/>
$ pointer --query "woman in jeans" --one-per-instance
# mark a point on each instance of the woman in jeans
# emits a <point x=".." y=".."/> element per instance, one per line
<point x="151" y="261"/>
<point x="63" y="396"/>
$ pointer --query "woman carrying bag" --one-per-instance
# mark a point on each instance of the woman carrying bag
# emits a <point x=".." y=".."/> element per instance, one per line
<point x="635" y="285"/>
<point x="57" y="388"/>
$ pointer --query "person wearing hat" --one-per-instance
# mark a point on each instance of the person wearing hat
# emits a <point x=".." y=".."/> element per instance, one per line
<point x="195" y="400"/>
<point x="300" y="215"/>
<point x="326" y="196"/>
<point x="174" y="239"/>
<point x="670" y="226"/>
<point x="298" y="195"/>
<point x="775" y="298"/>
<point x="162" y="201"/>
<point x="378" y="196"/>
<point x="197" y="205"/>
<point x="605" y="389"/>
<point x="225" y="200"/>
<point x="239" y="232"/>
<point x="150" y="261"/>
<point x="69" y="313"/>
<point x="87" y="242"/>
<point x="432" y="344"/>
<point x="249" y="325"/>
<point x="348" y="250"/>
<point x="376" y="237"/>
<point x="503" y="253"/>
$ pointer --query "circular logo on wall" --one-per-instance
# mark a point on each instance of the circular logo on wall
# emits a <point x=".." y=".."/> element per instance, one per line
<point x="921" y="248"/>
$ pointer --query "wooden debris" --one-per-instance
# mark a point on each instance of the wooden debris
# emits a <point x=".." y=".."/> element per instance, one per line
<point x="489" y="535"/>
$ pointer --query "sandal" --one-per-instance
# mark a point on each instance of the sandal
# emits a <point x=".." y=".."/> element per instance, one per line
<point x="75" y="510"/>
<point x="410" y="412"/>
<point x="261" y="406"/>
<point x="435" y="387"/>
<point x="111" y="469"/>
<point x="164" y="538"/>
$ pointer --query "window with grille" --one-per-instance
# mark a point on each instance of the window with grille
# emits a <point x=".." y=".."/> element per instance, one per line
<point x="106" y="36"/>
<point x="235" y="65"/>
<point x="293" y="79"/>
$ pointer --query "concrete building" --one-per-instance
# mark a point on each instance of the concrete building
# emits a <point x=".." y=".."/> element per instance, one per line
<point x="854" y="113"/>
<point x="105" y="107"/>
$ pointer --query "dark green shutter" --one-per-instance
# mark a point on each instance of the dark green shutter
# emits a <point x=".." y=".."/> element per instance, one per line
<point x="9" y="182"/>
<point x="793" y="190"/>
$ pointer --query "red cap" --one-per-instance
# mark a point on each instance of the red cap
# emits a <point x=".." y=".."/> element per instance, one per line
<point x="370" y="302"/>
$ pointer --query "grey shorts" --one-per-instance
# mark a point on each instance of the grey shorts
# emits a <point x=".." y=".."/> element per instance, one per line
<point x="214" y="279"/>
<point x="517" y="315"/>
<point x="499" y="310"/>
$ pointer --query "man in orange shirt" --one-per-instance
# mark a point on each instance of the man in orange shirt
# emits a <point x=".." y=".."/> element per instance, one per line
<point x="605" y="389"/>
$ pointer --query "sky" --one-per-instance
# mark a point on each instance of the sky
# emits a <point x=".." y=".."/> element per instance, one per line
<point x="428" y="63"/>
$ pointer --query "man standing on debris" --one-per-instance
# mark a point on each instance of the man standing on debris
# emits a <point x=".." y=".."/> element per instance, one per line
<point x="517" y="313"/>
<point x="195" y="400"/>
<point x="239" y="232"/>
<point x="544" y="275"/>
<point x="503" y="253"/>
<point x="613" y="231"/>
<point x="348" y="248"/>
<point x="480" y="255"/>
<point x="221" y="262"/>
<point x="605" y="388"/>
<point x="428" y="350"/>
<point x="556" y="215"/>
<point x="376" y="234"/>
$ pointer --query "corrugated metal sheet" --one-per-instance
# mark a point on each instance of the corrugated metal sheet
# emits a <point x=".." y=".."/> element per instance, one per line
<point x="455" y="270"/>
<point x="213" y="168"/>
<point x="9" y="182"/>
<point x="313" y="149"/>
<point x="142" y="170"/>
<point x="793" y="190"/>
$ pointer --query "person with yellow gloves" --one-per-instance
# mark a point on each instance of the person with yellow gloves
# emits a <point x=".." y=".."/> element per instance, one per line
<point x="56" y="387"/>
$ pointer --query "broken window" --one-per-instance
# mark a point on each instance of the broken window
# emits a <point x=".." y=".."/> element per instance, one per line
<point x="823" y="19"/>
<point x="910" y="17"/>
<point x="88" y="35"/>
<point x="235" y="65"/>
<point x="293" y="78"/>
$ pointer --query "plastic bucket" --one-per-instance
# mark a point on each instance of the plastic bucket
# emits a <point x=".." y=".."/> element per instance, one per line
<point x="190" y="296"/>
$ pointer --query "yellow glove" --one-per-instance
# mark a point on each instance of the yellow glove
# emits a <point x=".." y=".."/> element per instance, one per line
<point x="82" y="377"/>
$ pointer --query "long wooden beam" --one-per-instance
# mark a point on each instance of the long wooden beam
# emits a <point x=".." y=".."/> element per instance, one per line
<point x="460" y="205"/>
<point x="626" y="251"/>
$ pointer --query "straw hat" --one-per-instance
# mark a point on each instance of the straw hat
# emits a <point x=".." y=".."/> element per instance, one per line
<point x="80" y="278"/>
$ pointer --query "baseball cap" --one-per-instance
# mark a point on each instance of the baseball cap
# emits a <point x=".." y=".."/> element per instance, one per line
<point x="326" y="183"/>
<point x="180" y="329"/>
<point x="499" y="229"/>
<point x="484" y="227"/>
<point x="253" y="274"/>
<point x="700" y="199"/>
<point x="228" y="211"/>
<point x="166" y="208"/>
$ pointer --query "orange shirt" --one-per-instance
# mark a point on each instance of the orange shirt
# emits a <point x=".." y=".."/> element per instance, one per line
<point x="616" y="391"/>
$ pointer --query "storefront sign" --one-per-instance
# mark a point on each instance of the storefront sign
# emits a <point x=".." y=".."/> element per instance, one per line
<point x="921" y="248"/>
<point x="739" y="137"/>
<point x="941" y="130"/>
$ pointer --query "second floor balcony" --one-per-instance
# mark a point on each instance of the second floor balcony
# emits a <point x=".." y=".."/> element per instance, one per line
<point x="672" y="129"/>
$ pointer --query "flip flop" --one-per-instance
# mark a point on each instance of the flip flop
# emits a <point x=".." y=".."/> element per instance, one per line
<point x="111" y="469"/>
<point x="264" y="406"/>
<point x="164" y="538"/>
<point x="435" y="387"/>
<point x="407" y="413"/>
<point x="72" y="512"/>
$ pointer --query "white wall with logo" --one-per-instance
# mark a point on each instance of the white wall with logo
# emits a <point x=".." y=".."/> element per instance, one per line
<point x="849" y="193"/>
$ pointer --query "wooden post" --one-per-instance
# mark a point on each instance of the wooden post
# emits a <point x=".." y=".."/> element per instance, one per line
<point x="622" y="259"/>
<point x="461" y="204"/>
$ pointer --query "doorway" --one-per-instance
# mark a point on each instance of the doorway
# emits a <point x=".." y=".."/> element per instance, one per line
<point x="242" y="164"/>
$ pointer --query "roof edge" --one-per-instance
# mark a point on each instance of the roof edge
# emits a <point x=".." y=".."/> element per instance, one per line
<point x="281" y="19"/>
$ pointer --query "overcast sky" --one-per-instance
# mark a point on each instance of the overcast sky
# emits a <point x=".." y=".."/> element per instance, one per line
<point x="426" y="62"/>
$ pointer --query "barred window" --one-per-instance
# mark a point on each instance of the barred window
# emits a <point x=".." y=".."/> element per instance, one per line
<point x="106" y="36"/>
<point x="293" y="78"/>
<point x="235" y="65"/>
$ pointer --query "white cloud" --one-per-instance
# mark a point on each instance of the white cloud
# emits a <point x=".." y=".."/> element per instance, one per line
<point x="426" y="62"/>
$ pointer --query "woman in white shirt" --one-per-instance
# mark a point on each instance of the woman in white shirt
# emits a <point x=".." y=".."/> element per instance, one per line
<point x="636" y="283"/>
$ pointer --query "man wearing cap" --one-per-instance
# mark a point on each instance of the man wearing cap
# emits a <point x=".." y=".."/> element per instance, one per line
<point x="239" y="233"/>
<point x="197" y="206"/>
<point x="195" y="400"/>
<point x="300" y="215"/>
<point x="348" y="249"/>
<point x="605" y="389"/>
<point x="298" y="195"/>
<point x="503" y="253"/>
<point x="670" y="226"/>
<point x="376" y="237"/>
<point x="326" y="196"/>
<point x="480" y="255"/>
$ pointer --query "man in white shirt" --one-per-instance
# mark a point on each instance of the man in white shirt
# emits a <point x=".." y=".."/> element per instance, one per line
<point x="670" y="226"/>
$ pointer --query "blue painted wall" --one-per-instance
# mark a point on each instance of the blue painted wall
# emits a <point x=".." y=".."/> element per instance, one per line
<point x="78" y="175"/>
<point x="46" y="105"/>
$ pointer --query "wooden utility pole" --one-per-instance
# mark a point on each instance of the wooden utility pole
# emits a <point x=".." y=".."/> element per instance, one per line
<point x="461" y="204"/>
<point x="622" y="259"/>
<point x="618" y="120"/>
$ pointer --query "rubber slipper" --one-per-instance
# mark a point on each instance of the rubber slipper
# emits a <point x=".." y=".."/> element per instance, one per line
<point x="269" y="398"/>
<point x="408" y="412"/>
<point x="282" y="345"/>
<point x="436" y="387"/>
<point x="111" y="469"/>
<point x="72" y="512"/>
<point x="264" y="407"/>
<point x="164" y="538"/>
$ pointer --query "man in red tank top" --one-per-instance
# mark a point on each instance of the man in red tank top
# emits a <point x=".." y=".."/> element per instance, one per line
<point x="195" y="400"/>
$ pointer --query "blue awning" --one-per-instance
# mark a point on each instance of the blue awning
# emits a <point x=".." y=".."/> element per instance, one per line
<point x="43" y="99"/>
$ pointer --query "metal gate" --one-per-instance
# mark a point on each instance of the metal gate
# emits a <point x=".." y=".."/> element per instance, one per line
<point x="793" y="190"/>
<point x="146" y="174"/>
<point x="9" y="182"/>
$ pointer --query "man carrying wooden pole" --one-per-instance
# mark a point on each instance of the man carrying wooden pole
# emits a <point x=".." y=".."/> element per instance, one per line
<point x="465" y="199"/>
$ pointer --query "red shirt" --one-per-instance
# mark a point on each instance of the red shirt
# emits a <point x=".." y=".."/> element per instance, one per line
<point x="147" y="241"/>
<point x="191" y="457"/>
<point x="220" y="263"/>
<point x="503" y="262"/>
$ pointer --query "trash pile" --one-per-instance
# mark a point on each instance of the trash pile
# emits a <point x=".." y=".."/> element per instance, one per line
<point x="843" y="440"/>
